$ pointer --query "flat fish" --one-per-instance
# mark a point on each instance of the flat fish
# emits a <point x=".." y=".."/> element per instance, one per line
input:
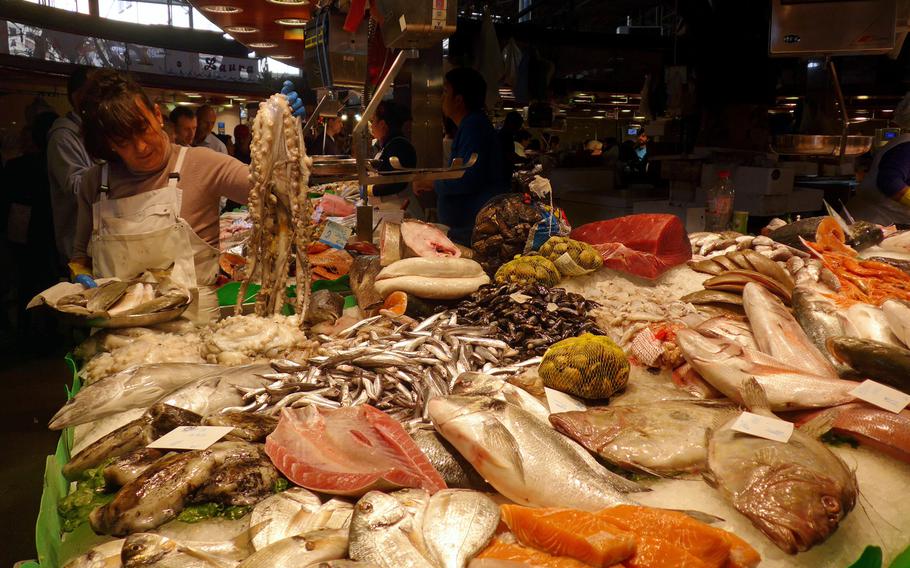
<point x="663" y="437"/>
<point x="348" y="451"/>
<point x="300" y="550"/>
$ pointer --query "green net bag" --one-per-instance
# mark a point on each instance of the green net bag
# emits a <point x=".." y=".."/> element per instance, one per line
<point x="587" y="366"/>
<point x="571" y="257"/>
<point x="528" y="270"/>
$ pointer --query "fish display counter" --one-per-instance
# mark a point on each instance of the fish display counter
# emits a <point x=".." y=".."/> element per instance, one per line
<point x="617" y="394"/>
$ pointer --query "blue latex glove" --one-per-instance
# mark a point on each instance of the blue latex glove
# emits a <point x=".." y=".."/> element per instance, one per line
<point x="297" y="108"/>
<point x="86" y="281"/>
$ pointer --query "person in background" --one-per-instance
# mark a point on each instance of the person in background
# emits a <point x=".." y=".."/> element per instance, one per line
<point x="242" y="140"/>
<point x="594" y="148"/>
<point x="533" y="146"/>
<point x="228" y="143"/>
<point x="448" y="135"/>
<point x="184" y="121"/>
<point x="168" y="127"/>
<point x="510" y="127"/>
<point x="522" y="139"/>
<point x="386" y="129"/>
<point x="611" y="149"/>
<point x="459" y="200"/>
<point x="323" y="142"/>
<point x="205" y="122"/>
<point x="67" y="162"/>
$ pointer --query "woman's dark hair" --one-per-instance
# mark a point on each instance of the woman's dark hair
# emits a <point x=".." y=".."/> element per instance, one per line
<point x="111" y="113"/>
<point x="393" y="115"/>
<point x="470" y="85"/>
<point x="76" y="81"/>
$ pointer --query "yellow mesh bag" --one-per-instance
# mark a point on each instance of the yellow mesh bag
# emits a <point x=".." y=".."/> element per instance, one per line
<point x="571" y="257"/>
<point x="587" y="366"/>
<point x="528" y="270"/>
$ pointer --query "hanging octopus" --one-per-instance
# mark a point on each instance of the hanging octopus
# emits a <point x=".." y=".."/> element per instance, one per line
<point x="280" y="210"/>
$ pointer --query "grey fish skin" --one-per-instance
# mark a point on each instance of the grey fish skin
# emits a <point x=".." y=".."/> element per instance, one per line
<point x="240" y="482"/>
<point x="282" y="515"/>
<point x="325" y="305"/>
<point x="247" y="427"/>
<point x="523" y="457"/>
<point x="130" y="466"/>
<point x="380" y="531"/>
<point x="300" y="550"/>
<point x="159" y="420"/>
<point x="458" y="524"/>
<point x="817" y="315"/>
<point x="875" y="360"/>
<point x="796" y="493"/>
<point x="146" y="550"/>
<point x="457" y="472"/>
<point x="136" y="387"/>
<point x="161" y="493"/>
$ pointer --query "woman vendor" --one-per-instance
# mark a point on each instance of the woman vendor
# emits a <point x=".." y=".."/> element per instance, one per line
<point x="386" y="128"/>
<point x="154" y="204"/>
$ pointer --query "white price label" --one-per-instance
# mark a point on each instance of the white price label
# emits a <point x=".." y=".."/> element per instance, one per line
<point x="764" y="427"/>
<point x="335" y="235"/>
<point x="519" y="298"/>
<point x="191" y="437"/>
<point x="881" y="396"/>
<point x="562" y="402"/>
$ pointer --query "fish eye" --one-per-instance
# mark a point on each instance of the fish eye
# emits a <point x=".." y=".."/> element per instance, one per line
<point x="310" y="545"/>
<point x="830" y="504"/>
<point x="365" y="507"/>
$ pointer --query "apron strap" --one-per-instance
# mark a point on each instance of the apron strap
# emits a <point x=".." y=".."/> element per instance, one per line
<point x="174" y="176"/>
<point x="105" y="186"/>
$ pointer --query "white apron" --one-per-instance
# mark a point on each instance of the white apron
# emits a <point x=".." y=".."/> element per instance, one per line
<point x="872" y="205"/>
<point x="404" y="200"/>
<point x="133" y="234"/>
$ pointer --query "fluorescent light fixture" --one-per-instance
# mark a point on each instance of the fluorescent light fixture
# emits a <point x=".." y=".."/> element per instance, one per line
<point x="290" y="2"/>
<point x="241" y="29"/>
<point x="291" y="21"/>
<point x="263" y="45"/>
<point x="862" y="97"/>
<point x="193" y="95"/>
<point x="221" y="9"/>
<point x="625" y="110"/>
<point x="282" y="56"/>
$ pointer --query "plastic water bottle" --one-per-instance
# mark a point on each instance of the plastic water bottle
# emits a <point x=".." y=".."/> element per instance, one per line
<point x="719" y="211"/>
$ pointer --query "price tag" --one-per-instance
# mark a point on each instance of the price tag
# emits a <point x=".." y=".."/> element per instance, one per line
<point x="335" y="235"/>
<point x="764" y="427"/>
<point x="562" y="402"/>
<point x="191" y="437"/>
<point x="881" y="396"/>
<point x="519" y="298"/>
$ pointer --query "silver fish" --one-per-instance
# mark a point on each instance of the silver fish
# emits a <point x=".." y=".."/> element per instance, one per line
<point x="301" y="550"/>
<point x="282" y="515"/>
<point x="820" y="320"/>
<point x="458" y="524"/>
<point x="868" y="322"/>
<point x="147" y="550"/>
<point x="729" y="329"/>
<point x="380" y="531"/>
<point x="796" y="493"/>
<point x="524" y="458"/>
<point x="480" y="384"/>
<point x="897" y="312"/>
<point x="454" y="469"/>
<point x="136" y="387"/>
<point x="105" y="555"/>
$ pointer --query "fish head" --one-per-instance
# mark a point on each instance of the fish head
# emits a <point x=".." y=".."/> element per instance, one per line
<point x="795" y="506"/>
<point x="472" y="383"/>
<point x="377" y="511"/>
<point x="145" y="549"/>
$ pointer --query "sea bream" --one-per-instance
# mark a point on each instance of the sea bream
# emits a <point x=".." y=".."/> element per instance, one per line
<point x="523" y="457"/>
<point x="301" y="550"/>
<point x="796" y="492"/>
<point x="457" y="524"/>
<point x="381" y="533"/>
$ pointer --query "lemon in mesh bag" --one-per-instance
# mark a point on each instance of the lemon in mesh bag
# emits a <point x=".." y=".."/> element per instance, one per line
<point x="528" y="270"/>
<point x="571" y="257"/>
<point x="587" y="366"/>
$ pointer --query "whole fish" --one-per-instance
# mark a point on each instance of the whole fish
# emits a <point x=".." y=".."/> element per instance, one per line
<point x="524" y="458"/>
<point x="325" y="305"/>
<point x="229" y="539"/>
<point x="885" y="431"/>
<point x="457" y="525"/>
<point x="730" y="329"/>
<point x="897" y="312"/>
<point x="779" y="335"/>
<point x="874" y="360"/>
<point x="868" y="322"/>
<point x="218" y="392"/>
<point x="136" y="387"/>
<point x="662" y="438"/>
<point x="85" y="435"/>
<point x="454" y="469"/>
<point x="282" y="515"/>
<point x="481" y="384"/>
<point x="820" y="319"/>
<point x="130" y="466"/>
<point x="159" y="420"/>
<point x="728" y="365"/>
<point x="301" y="550"/>
<point x="105" y="555"/>
<point x="247" y="427"/>
<point x="147" y="550"/>
<point x="240" y="483"/>
<point x="343" y="564"/>
<point x="161" y="493"/>
<point x="796" y="493"/>
<point x="380" y="530"/>
<point x="106" y="295"/>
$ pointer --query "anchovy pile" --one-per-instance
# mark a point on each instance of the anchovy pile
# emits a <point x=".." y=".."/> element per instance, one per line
<point x="396" y="370"/>
<point x="529" y="319"/>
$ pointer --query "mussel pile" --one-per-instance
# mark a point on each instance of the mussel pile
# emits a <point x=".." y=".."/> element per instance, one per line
<point x="530" y="318"/>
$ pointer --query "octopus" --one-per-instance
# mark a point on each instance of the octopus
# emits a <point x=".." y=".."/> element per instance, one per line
<point x="280" y="210"/>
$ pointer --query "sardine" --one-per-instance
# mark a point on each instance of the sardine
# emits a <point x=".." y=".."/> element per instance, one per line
<point x="380" y="531"/>
<point x="661" y="438"/>
<point x="778" y="334"/>
<point x="875" y="360"/>
<point x="458" y="524"/>
<point x="728" y="365"/>
<point x="137" y="387"/>
<point x="897" y="312"/>
<point x="796" y="493"/>
<point x="524" y="458"/>
<point x="105" y="555"/>
<point x="282" y="515"/>
<point x="300" y="550"/>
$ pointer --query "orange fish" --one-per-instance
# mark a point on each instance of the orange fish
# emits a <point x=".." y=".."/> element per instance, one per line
<point x="330" y="264"/>
<point x="501" y="550"/>
<point x="569" y="532"/>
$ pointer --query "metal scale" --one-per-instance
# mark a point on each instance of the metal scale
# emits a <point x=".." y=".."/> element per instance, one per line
<point x="337" y="59"/>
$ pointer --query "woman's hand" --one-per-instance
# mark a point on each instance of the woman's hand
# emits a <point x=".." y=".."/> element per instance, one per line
<point x="297" y="108"/>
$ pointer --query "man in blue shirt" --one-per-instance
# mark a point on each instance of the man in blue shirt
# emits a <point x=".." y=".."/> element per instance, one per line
<point x="459" y="200"/>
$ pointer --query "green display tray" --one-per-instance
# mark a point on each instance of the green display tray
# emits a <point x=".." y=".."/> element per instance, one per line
<point x="227" y="294"/>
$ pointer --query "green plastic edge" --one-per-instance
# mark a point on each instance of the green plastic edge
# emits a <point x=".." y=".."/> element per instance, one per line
<point x="227" y="294"/>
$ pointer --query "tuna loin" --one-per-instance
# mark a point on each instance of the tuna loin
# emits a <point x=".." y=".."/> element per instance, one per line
<point x="348" y="451"/>
<point x="645" y="245"/>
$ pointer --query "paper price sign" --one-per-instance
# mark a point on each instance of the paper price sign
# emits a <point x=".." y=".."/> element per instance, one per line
<point x="562" y="402"/>
<point x="763" y="427"/>
<point x="881" y="396"/>
<point x="335" y="235"/>
<point x="191" y="437"/>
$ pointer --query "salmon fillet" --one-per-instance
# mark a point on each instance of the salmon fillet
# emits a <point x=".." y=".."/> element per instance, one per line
<point x="500" y="550"/>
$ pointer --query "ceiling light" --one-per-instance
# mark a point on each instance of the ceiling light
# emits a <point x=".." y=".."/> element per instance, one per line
<point x="290" y="2"/>
<point x="291" y="21"/>
<point x="263" y="45"/>
<point x="282" y="56"/>
<point x="251" y="55"/>
<point x="344" y="116"/>
<point x="357" y="117"/>
<point x="241" y="29"/>
<point x="193" y="95"/>
<point x="228" y="37"/>
<point x="862" y="97"/>
<point x="221" y="9"/>
<point x="626" y="110"/>
<point x="239" y="98"/>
